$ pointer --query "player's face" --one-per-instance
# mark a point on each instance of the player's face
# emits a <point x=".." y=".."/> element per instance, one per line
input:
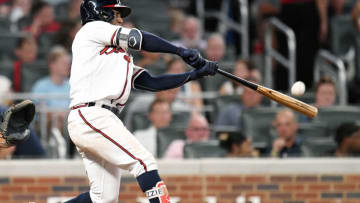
<point x="117" y="18"/>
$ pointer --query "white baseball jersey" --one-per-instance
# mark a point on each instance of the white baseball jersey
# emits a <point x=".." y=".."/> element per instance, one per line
<point x="99" y="69"/>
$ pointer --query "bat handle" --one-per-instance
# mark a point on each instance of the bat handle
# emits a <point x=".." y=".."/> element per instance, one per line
<point x="240" y="80"/>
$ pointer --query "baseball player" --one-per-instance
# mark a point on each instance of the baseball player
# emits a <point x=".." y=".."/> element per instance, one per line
<point x="102" y="75"/>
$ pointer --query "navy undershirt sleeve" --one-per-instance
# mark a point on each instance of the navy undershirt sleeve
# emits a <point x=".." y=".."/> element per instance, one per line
<point x="146" y="81"/>
<point x="153" y="43"/>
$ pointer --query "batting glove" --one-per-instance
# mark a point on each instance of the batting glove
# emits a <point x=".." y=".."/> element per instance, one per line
<point x="191" y="57"/>
<point x="210" y="68"/>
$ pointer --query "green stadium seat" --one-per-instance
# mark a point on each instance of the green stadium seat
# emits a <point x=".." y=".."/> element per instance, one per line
<point x="313" y="130"/>
<point x="7" y="69"/>
<point x="30" y="73"/>
<point x="336" y="115"/>
<point x="257" y="123"/>
<point x="320" y="147"/>
<point x="208" y="149"/>
<point x="342" y="34"/>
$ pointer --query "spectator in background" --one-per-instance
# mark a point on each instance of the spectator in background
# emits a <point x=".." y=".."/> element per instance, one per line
<point x="66" y="35"/>
<point x="191" y="35"/>
<point x="43" y="20"/>
<point x="26" y="52"/>
<point x="231" y="87"/>
<point x="56" y="83"/>
<point x="347" y="139"/>
<point x="5" y="88"/>
<point x="58" y="79"/>
<point x="309" y="21"/>
<point x="20" y="9"/>
<point x="177" y="18"/>
<point x="154" y="62"/>
<point x="355" y="15"/>
<point x="73" y="10"/>
<point x="215" y="48"/>
<point x="231" y="115"/>
<point x="31" y="148"/>
<point x="237" y="145"/>
<point x="160" y="117"/>
<point x="197" y="131"/>
<point x="325" y="92"/>
<point x="4" y="8"/>
<point x="192" y="89"/>
<point x="287" y="143"/>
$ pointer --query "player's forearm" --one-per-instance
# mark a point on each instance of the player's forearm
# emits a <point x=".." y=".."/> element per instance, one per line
<point x="148" y="82"/>
<point x="153" y="43"/>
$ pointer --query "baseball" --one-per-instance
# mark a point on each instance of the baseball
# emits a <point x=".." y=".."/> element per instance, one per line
<point x="298" y="88"/>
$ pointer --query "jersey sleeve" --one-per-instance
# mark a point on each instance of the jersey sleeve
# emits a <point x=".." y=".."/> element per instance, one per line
<point x="137" y="71"/>
<point x="105" y="33"/>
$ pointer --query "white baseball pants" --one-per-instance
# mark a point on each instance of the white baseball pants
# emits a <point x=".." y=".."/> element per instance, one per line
<point x="106" y="146"/>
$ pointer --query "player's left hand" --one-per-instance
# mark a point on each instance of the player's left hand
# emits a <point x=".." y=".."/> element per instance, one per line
<point x="192" y="57"/>
<point x="210" y="68"/>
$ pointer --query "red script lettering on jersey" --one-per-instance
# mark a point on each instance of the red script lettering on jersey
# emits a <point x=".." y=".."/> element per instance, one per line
<point x="111" y="49"/>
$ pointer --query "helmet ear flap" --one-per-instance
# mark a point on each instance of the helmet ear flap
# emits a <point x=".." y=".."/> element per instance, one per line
<point x="92" y="10"/>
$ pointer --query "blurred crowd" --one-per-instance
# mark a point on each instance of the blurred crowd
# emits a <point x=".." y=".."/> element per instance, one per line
<point x="211" y="117"/>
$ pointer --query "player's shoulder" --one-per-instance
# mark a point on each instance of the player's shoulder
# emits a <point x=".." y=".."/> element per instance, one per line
<point x="96" y="25"/>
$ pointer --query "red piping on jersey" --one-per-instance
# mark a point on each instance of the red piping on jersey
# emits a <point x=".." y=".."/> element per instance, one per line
<point x="135" y="75"/>
<point x="127" y="58"/>
<point x="112" y="38"/>
<point x="113" y="141"/>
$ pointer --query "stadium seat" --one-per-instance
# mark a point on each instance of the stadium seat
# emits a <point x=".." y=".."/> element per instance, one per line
<point x="165" y="136"/>
<point x="30" y="73"/>
<point x="257" y="123"/>
<point x="4" y="25"/>
<point x="320" y="147"/>
<point x="313" y="130"/>
<point x="342" y="34"/>
<point x="139" y="120"/>
<point x="8" y="43"/>
<point x="180" y="119"/>
<point x="336" y="115"/>
<point x="206" y="149"/>
<point x="6" y="69"/>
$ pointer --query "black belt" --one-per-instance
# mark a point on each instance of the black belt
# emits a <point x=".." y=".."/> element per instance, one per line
<point x="90" y="104"/>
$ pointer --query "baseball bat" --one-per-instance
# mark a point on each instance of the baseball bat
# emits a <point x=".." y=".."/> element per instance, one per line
<point x="283" y="99"/>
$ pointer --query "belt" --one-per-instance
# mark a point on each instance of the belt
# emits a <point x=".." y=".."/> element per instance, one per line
<point x="115" y="110"/>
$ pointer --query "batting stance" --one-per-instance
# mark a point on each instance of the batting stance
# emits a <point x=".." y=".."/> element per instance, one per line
<point x="14" y="124"/>
<point x="102" y="75"/>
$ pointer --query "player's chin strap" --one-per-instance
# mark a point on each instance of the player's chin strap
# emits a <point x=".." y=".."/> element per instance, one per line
<point x="159" y="191"/>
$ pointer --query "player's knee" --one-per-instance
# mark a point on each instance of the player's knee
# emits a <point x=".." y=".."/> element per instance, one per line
<point x="144" y="165"/>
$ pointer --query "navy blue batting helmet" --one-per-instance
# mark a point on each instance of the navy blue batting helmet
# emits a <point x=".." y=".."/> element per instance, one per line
<point x="92" y="10"/>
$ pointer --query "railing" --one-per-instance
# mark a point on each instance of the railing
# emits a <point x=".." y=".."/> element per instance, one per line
<point x="339" y="74"/>
<point x="226" y="22"/>
<point x="271" y="53"/>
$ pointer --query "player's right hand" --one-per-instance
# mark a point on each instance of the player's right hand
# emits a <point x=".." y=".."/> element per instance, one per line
<point x="192" y="57"/>
<point x="210" y="68"/>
